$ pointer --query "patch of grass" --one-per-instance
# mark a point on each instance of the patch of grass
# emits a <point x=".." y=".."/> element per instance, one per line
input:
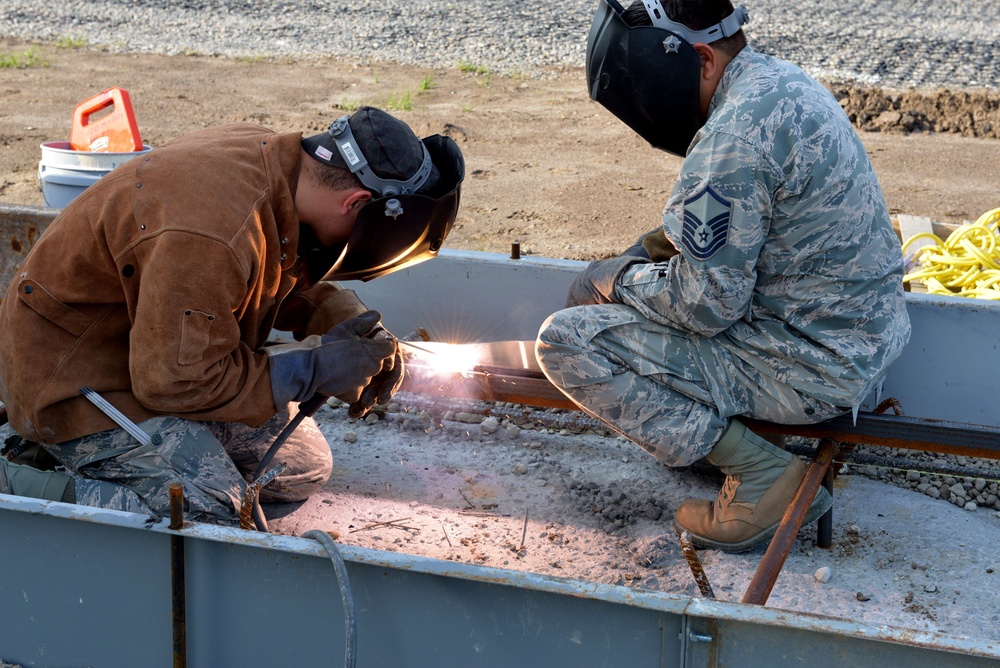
<point x="71" y="42"/>
<point x="376" y="77"/>
<point x="427" y="83"/>
<point x="250" y="59"/>
<point x="468" y="108"/>
<point x="350" y="105"/>
<point x="471" y="68"/>
<point x="399" y="101"/>
<point x="480" y="73"/>
<point x="20" y="61"/>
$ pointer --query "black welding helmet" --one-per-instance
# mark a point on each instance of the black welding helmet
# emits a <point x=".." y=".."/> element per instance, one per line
<point x="648" y="76"/>
<point x="415" y="186"/>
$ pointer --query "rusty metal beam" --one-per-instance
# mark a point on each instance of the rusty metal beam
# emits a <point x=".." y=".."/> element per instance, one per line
<point x="530" y="387"/>
<point x="781" y="544"/>
<point x="898" y="431"/>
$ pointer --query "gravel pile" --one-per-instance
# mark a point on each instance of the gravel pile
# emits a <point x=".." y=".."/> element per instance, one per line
<point x="927" y="44"/>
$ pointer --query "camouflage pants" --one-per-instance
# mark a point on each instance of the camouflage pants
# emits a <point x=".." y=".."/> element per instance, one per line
<point x="213" y="460"/>
<point x="671" y="392"/>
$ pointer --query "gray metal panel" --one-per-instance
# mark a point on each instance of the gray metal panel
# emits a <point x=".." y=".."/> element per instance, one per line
<point x="749" y="635"/>
<point x="291" y="615"/>
<point x="464" y="296"/>
<point x="92" y="587"/>
<point x="950" y="370"/>
<point x="82" y="593"/>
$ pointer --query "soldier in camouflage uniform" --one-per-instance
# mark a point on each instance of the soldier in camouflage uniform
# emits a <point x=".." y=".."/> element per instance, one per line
<point x="773" y="289"/>
<point x="134" y="340"/>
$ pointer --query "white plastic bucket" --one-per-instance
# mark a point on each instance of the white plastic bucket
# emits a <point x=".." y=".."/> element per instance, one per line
<point x="64" y="173"/>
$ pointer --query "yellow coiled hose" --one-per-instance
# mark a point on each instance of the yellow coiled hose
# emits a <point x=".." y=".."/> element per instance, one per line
<point x="966" y="264"/>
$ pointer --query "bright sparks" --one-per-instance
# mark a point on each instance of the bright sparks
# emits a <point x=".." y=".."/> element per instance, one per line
<point x="444" y="359"/>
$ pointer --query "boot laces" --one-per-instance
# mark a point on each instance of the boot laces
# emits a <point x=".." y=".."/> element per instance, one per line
<point x="728" y="492"/>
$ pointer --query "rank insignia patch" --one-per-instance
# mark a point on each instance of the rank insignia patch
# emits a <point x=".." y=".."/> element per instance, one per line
<point x="706" y="223"/>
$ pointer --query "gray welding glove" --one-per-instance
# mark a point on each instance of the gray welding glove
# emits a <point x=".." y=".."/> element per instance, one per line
<point x="596" y="283"/>
<point x="384" y="384"/>
<point x="340" y="363"/>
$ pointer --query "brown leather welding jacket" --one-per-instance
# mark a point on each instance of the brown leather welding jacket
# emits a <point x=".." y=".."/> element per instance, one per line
<point x="159" y="285"/>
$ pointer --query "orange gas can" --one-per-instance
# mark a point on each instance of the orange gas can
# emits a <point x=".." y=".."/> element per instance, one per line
<point x="114" y="132"/>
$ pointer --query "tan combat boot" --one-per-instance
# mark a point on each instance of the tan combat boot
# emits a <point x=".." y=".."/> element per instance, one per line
<point x="760" y="483"/>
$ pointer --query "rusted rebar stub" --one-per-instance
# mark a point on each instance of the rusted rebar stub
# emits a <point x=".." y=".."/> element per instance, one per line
<point x="784" y="537"/>
<point x="253" y="490"/>
<point x="697" y="570"/>
<point x="176" y="491"/>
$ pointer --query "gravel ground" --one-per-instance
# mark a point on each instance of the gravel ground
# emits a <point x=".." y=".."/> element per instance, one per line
<point x="935" y="43"/>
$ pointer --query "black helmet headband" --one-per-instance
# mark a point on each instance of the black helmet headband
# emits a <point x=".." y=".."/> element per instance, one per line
<point x="355" y="160"/>
<point x="727" y="27"/>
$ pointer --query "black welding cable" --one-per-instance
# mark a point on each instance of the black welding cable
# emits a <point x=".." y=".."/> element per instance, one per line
<point x="346" y="597"/>
<point x="306" y="409"/>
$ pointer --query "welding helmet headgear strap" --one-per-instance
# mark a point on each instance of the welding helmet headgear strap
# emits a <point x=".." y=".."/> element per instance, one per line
<point x="356" y="162"/>
<point x="727" y="27"/>
<point x="396" y="231"/>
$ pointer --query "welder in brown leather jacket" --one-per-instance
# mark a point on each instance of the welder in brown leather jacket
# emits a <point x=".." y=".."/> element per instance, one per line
<point x="159" y="286"/>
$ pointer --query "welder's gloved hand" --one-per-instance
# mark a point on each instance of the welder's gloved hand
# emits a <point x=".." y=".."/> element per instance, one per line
<point x="340" y="363"/>
<point x="384" y="384"/>
<point x="638" y="250"/>
<point x="596" y="284"/>
<point x="654" y="246"/>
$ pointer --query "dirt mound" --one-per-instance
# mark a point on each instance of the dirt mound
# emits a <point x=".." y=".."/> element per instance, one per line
<point x="967" y="113"/>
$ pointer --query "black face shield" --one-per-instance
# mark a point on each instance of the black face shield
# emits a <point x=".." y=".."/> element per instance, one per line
<point x="395" y="230"/>
<point x="649" y="76"/>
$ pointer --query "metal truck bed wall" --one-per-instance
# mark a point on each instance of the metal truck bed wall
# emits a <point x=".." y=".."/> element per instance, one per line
<point x="950" y="370"/>
<point x="90" y="587"/>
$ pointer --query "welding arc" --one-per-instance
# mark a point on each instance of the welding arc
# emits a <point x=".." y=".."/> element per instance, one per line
<point x="306" y="409"/>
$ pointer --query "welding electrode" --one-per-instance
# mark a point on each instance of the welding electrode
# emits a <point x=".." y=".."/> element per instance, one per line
<point x="306" y="409"/>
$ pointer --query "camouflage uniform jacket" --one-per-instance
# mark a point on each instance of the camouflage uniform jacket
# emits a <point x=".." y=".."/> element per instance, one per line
<point x="788" y="257"/>
<point x="159" y="285"/>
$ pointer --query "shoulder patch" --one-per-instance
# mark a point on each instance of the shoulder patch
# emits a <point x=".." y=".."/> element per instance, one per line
<point x="706" y="223"/>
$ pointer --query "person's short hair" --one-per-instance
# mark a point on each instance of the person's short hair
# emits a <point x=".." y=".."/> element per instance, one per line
<point x="334" y="178"/>
<point x="696" y="15"/>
